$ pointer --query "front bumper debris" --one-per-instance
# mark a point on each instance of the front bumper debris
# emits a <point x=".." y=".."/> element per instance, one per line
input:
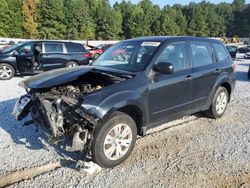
<point x="65" y="125"/>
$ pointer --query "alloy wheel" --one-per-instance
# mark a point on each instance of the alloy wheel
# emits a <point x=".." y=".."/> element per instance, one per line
<point x="221" y="103"/>
<point x="5" y="72"/>
<point x="73" y="65"/>
<point x="117" y="142"/>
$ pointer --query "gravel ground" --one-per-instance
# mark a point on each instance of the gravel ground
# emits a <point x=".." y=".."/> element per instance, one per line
<point x="190" y="152"/>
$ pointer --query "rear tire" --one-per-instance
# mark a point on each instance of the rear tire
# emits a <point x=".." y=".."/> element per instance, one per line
<point x="71" y="64"/>
<point x="6" y="71"/>
<point x="219" y="103"/>
<point x="114" y="140"/>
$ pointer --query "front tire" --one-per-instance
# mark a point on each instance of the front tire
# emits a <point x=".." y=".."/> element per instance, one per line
<point x="6" y="71"/>
<point x="219" y="103"/>
<point x="114" y="140"/>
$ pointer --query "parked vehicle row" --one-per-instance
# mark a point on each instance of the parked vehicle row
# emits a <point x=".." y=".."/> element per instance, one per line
<point x="34" y="57"/>
<point x="239" y="53"/>
<point x="102" y="108"/>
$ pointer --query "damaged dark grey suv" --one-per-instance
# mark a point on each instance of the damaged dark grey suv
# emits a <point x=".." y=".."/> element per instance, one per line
<point x="135" y="85"/>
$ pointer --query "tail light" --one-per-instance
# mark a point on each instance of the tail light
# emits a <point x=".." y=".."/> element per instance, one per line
<point x="234" y="66"/>
<point x="87" y="55"/>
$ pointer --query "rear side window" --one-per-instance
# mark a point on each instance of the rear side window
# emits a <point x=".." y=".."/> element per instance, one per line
<point x="220" y="51"/>
<point x="75" y="47"/>
<point x="201" y="53"/>
<point x="53" y="47"/>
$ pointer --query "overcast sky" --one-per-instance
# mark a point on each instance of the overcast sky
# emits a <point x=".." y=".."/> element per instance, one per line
<point x="184" y="2"/>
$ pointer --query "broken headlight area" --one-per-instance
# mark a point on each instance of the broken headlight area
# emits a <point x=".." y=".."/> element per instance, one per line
<point x="60" y="115"/>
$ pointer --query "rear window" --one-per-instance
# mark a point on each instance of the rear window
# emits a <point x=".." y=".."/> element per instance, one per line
<point x="220" y="51"/>
<point x="53" y="47"/>
<point x="75" y="47"/>
<point x="232" y="48"/>
<point x="201" y="54"/>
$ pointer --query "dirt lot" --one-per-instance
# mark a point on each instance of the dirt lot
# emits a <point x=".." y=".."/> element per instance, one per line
<point x="191" y="152"/>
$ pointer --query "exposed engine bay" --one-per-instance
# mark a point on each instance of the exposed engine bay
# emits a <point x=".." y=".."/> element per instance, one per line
<point x="58" y="111"/>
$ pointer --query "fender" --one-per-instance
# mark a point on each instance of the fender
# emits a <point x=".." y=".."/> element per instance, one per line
<point x="222" y="78"/>
<point x="115" y="102"/>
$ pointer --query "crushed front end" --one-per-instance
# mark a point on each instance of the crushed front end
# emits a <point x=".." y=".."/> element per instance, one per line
<point x="59" y="112"/>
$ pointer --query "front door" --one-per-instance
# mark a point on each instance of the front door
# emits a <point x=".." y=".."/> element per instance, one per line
<point x="25" y="58"/>
<point x="171" y="94"/>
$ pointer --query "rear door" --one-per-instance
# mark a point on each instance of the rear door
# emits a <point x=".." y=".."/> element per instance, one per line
<point x="77" y="53"/>
<point x="204" y="71"/>
<point x="54" y="55"/>
<point x="171" y="94"/>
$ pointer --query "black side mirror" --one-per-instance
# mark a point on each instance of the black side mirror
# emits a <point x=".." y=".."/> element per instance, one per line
<point x="15" y="53"/>
<point x="164" y="67"/>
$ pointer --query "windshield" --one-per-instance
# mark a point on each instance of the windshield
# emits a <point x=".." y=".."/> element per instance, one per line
<point x="11" y="48"/>
<point x="127" y="56"/>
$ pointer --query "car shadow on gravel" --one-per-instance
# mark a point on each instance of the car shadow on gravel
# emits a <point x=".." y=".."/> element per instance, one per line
<point x="29" y="136"/>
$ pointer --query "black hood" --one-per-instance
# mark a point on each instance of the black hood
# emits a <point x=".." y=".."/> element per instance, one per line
<point x="64" y="75"/>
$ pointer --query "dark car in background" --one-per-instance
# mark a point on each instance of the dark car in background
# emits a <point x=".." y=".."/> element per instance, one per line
<point x="33" y="57"/>
<point x="242" y="53"/>
<point x="232" y="50"/>
<point x="103" y="107"/>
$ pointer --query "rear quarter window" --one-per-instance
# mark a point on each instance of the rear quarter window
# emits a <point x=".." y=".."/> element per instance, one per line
<point x="220" y="51"/>
<point x="75" y="47"/>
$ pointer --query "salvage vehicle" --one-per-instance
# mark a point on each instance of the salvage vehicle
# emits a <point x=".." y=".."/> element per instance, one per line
<point x="102" y="108"/>
<point x="34" y="57"/>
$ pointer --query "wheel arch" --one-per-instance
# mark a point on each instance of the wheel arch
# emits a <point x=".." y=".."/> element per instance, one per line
<point x="224" y="82"/>
<point x="134" y="111"/>
<point x="72" y="60"/>
<point x="136" y="114"/>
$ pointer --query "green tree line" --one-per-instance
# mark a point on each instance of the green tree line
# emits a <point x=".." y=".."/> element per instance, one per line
<point x="97" y="19"/>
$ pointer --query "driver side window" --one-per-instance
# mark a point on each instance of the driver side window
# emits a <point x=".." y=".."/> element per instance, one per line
<point x="176" y="54"/>
<point x="25" y="49"/>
